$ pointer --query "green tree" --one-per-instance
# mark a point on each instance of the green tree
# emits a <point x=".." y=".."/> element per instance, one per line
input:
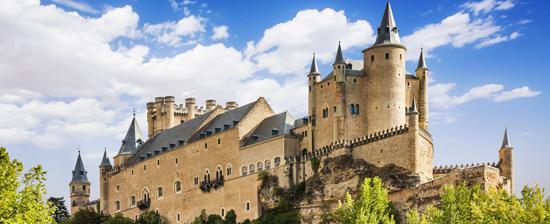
<point x="21" y="198"/>
<point x="60" y="214"/>
<point x="462" y="204"/>
<point x="151" y="218"/>
<point x="231" y="217"/>
<point x="119" y="219"/>
<point x="372" y="205"/>
<point x="88" y="216"/>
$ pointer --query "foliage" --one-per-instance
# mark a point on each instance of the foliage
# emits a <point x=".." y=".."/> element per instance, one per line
<point x="88" y="216"/>
<point x="263" y="175"/>
<point x="279" y="215"/>
<point x="119" y="219"/>
<point x="203" y="218"/>
<point x="371" y="206"/>
<point x="60" y="214"/>
<point x="315" y="164"/>
<point x="231" y="217"/>
<point x="22" y="197"/>
<point x="151" y="217"/>
<point x="462" y="204"/>
<point x="290" y="195"/>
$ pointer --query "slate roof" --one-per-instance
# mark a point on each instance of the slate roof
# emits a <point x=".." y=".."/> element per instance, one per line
<point x="505" y="141"/>
<point x="79" y="173"/>
<point x="105" y="162"/>
<point x="176" y="135"/>
<point x="270" y="127"/>
<point x="421" y="61"/>
<point x="314" y="69"/>
<point x="339" y="56"/>
<point x="132" y="139"/>
<point x="387" y="31"/>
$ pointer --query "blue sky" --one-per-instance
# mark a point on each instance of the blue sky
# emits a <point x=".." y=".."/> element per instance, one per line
<point x="73" y="70"/>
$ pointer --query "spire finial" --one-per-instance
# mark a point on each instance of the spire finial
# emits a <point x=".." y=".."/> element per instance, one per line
<point x="314" y="69"/>
<point x="134" y="112"/>
<point x="387" y="31"/>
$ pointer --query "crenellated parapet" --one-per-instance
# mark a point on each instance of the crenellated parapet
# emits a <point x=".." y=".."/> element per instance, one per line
<point x="448" y="168"/>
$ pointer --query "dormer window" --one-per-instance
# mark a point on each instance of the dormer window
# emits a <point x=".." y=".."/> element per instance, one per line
<point x="254" y="137"/>
<point x="226" y="126"/>
<point x="274" y="131"/>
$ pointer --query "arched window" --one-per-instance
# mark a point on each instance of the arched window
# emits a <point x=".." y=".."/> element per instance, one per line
<point x="117" y="205"/>
<point x="244" y="171"/>
<point x="252" y="168"/>
<point x="219" y="173"/>
<point x="83" y="187"/>
<point x="356" y="108"/>
<point x="222" y="213"/>
<point x="132" y="201"/>
<point x="277" y="161"/>
<point x="145" y="196"/>
<point x="73" y="203"/>
<point x="247" y="206"/>
<point x="387" y="55"/>
<point x="178" y="217"/>
<point x="228" y="169"/>
<point x="160" y="192"/>
<point x="207" y="176"/>
<point x="352" y="108"/>
<point x="177" y="186"/>
<point x="260" y="166"/>
<point x="304" y="153"/>
<point x="267" y="164"/>
<point x="73" y="188"/>
<point x="372" y="58"/>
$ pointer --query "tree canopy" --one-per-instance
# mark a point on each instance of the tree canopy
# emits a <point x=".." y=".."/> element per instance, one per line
<point x="21" y="193"/>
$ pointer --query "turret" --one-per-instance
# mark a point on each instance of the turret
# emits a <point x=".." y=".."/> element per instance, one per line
<point x="313" y="77"/>
<point x="505" y="162"/>
<point x="104" y="168"/>
<point x="79" y="187"/>
<point x="168" y="114"/>
<point x="210" y="105"/>
<point x="230" y="105"/>
<point x="384" y="65"/>
<point x="130" y="143"/>
<point x="413" y="116"/>
<point x="159" y="110"/>
<point x="150" y="119"/>
<point x="190" y="104"/>
<point x="339" y="65"/>
<point x="422" y="75"/>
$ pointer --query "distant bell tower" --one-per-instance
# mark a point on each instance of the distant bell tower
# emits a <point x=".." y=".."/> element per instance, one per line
<point x="79" y="187"/>
<point x="505" y="162"/>
<point x="384" y="66"/>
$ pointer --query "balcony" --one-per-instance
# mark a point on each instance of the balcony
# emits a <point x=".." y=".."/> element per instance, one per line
<point x="144" y="204"/>
<point x="206" y="186"/>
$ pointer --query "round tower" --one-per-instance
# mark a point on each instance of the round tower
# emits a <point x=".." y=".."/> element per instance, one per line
<point x="505" y="163"/>
<point x="104" y="169"/>
<point x="422" y="75"/>
<point x="169" y="102"/>
<point x="384" y="65"/>
<point x="150" y="121"/>
<point x="313" y="77"/>
<point x="210" y="105"/>
<point x="190" y="104"/>
<point x="79" y="187"/>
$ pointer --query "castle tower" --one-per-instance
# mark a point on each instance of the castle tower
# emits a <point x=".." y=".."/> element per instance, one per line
<point x="384" y="65"/>
<point x="104" y="168"/>
<point x="339" y="72"/>
<point x="79" y="187"/>
<point x="313" y="77"/>
<point x="190" y="104"/>
<point x="413" y="115"/>
<point x="150" y="120"/>
<point x="422" y="75"/>
<point x="130" y="143"/>
<point x="168" y="112"/>
<point x="505" y="162"/>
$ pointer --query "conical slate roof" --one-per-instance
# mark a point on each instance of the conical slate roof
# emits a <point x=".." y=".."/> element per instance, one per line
<point x="105" y="162"/>
<point x="387" y="31"/>
<point x="133" y="137"/>
<point x="413" y="108"/>
<point x="339" y="56"/>
<point x="314" y="69"/>
<point x="421" y="61"/>
<point x="79" y="173"/>
<point x="505" y="141"/>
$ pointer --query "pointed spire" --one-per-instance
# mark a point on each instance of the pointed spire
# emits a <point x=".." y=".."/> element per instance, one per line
<point x="413" y="109"/>
<point x="339" y="55"/>
<point x="505" y="141"/>
<point x="314" y="69"/>
<point x="105" y="162"/>
<point x="132" y="139"/>
<point x="79" y="173"/>
<point x="421" y="61"/>
<point x="387" y="31"/>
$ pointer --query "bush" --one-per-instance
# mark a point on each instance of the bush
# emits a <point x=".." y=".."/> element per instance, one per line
<point x="315" y="164"/>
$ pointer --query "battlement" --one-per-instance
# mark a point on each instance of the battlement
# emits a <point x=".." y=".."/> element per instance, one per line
<point x="448" y="168"/>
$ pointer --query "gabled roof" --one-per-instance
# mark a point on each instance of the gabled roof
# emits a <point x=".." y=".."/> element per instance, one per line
<point x="105" y="162"/>
<point x="421" y="61"/>
<point x="270" y="127"/>
<point x="339" y="56"/>
<point x="132" y="139"/>
<point x="79" y="173"/>
<point x="174" y="135"/>
<point x="387" y="31"/>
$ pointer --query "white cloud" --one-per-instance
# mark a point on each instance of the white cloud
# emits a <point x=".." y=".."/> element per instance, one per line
<point x="80" y="6"/>
<point x="486" y="6"/>
<point x="516" y="93"/>
<point x="286" y="48"/>
<point x="497" y="39"/>
<point x="457" y="30"/>
<point x="220" y="32"/>
<point x="440" y="97"/>
<point x="171" y="33"/>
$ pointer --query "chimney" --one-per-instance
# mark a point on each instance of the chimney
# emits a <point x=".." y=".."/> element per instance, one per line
<point x="210" y="105"/>
<point x="230" y="105"/>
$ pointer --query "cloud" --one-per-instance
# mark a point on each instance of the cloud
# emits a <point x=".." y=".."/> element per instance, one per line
<point x="286" y="48"/>
<point x="497" y="39"/>
<point x="440" y="97"/>
<point x="80" y="6"/>
<point x="486" y="6"/>
<point x="171" y="33"/>
<point x="516" y="93"/>
<point x="220" y="32"/>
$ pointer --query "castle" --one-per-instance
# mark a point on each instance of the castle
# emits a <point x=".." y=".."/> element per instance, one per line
<point x="208" y="157"/>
